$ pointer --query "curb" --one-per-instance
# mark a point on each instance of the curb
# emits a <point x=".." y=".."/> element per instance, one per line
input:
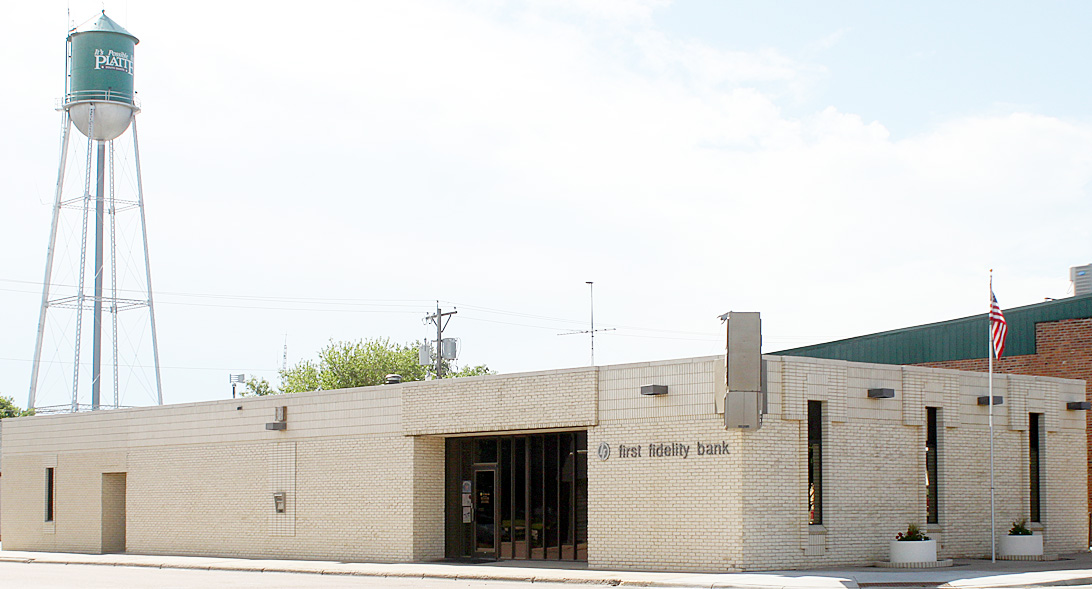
<point x="610" y="582"/>
<point x="561" y="578"/>
<point x="1059" y="583"/>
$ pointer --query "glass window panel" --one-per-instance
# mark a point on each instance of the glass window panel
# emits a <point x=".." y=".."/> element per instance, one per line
<point x="487" y="450"/>
<point x="504" y="471"/>
<point x="550" y="448"/>
<point x="519" y="497"/>
<point x="932" y="512"/>
<point x="815" y="462"/>
<point x="537" y="507"/>
<point x="1033" y="465"/>
<point x="50" y="485"/>
<point x="469" y="448"/>
<point x="581" y="515"/>
<point x="565" y="495"/>
<point x="484" y="510"/>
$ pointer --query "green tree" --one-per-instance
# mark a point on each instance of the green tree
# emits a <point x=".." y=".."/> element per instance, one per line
<point x="362" y="363"/>
<point x="258" y="387"/>
<point x="347" y="364"/>
<point x="479" y="370"/>
<point x="8" y="408"/>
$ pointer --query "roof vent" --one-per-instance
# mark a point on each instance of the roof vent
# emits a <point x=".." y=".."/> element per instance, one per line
<point x="1082" y="279"/>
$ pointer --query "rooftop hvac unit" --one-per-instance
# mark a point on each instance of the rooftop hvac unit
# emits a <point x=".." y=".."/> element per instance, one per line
<point x="1082" y="279"/>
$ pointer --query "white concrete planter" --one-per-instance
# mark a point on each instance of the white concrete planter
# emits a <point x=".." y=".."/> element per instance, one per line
<point x="913" y="551"/>
<point x="1021" y="545"/>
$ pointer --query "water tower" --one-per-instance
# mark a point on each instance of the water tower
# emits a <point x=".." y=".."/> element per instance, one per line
<point x="100" y="192"/>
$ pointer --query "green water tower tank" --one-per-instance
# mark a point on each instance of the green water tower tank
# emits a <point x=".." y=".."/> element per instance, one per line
<point x="100" y="73"/>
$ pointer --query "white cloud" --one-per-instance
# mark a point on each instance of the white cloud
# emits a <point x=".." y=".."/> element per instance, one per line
<point x="832" y="39"/>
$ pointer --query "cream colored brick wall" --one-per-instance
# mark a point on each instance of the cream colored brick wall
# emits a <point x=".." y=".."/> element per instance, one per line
<point x="428" y="498"/>
<point x="553" y="399"/>
<point x="207" y="473"/>
<point x="363" y="469"/>
<point x="347" y="412"/>
<point x="690" y="382"/>
<point x="665" y="513"/>
<point x="77" y="522"/>
<point x="749" y="510"/>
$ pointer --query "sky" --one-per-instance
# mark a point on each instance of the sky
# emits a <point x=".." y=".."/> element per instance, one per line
<point x="333" y="171"/>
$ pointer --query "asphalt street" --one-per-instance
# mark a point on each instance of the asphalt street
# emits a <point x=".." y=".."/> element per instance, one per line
<point x="18" y="575"/>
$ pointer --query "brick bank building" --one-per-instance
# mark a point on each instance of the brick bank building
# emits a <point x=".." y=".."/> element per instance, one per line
<point x="1052" y="338"/>
<point x="654" y="465"/>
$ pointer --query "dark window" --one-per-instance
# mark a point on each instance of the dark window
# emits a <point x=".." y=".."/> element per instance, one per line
<point x="537" y="483"/>
<point x="505" y="496"/>
<point x="487" y="450"/>
<point x="815" y="462"/>
<point x="932" y="513"/>
<point x="580" y="501"/>
<point x="49" y="494"/>
<point x="1034" y="474"/>
<point x="519" y="498"/>
<point x="550" y="503"/>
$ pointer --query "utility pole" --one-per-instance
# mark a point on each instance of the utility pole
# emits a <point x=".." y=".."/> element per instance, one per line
<point x="591" y="298"/>
<point x="441" y="324"/>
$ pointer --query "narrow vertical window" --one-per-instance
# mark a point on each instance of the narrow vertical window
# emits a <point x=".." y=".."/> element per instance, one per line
<point x="932" y="513"/>
<point x="815" y="462"/>
<point x="49" y="494"/>
<point x="1034" y="472"/>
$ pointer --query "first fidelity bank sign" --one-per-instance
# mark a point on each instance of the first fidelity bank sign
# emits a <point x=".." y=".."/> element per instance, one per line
<point x="662" y="450"/>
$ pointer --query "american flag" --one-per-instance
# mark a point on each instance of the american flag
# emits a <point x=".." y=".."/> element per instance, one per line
<point x="998" y="326"/>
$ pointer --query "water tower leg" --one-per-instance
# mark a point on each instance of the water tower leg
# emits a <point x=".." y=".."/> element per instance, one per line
<point x="49" y="264"/>
<point x="147" y="260"/>
<point x="100" y="213"/>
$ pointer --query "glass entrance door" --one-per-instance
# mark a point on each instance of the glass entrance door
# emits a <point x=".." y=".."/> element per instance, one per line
<point x="485" y="512"/>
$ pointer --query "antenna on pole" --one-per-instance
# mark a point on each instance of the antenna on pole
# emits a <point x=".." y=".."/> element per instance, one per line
<point x="592" y="330"/>
<point x="284" y="358"/>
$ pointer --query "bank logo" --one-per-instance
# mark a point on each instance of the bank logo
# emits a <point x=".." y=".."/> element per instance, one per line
<point x="604" y="451"/>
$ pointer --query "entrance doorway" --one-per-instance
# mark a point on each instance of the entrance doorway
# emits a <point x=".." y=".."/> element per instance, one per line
<point x="485" y="512"/>
<point x="113" y="512"/>
<point x="518" y="497"/>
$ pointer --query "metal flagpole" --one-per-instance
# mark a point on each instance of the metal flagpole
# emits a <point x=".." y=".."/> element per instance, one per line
<point x="989" y="336"/>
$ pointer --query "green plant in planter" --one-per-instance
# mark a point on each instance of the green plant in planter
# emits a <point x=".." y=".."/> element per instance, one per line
<point x="913" y="534"/>
<point x="1019" y="528"/>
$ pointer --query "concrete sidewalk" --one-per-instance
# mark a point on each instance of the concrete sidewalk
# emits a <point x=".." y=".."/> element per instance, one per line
<point x="1075" y="569"/>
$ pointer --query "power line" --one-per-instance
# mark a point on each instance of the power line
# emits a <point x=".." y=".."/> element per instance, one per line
<point x="394" y="306"/>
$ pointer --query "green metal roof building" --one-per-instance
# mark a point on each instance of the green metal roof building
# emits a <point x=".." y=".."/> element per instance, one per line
<point x="958" y="339"/>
